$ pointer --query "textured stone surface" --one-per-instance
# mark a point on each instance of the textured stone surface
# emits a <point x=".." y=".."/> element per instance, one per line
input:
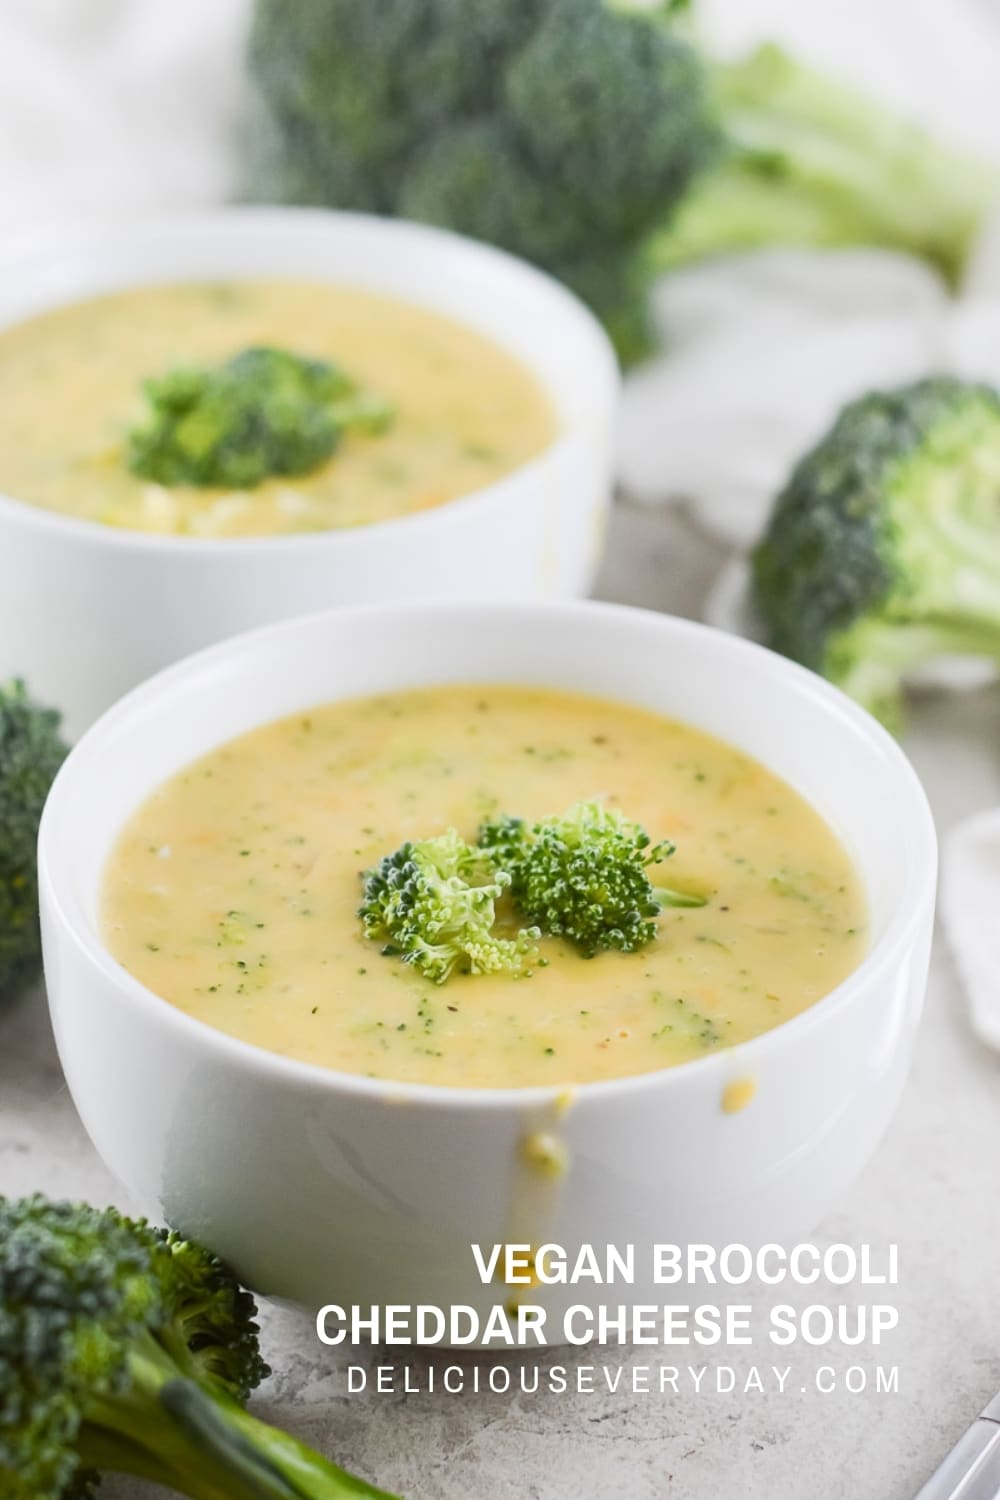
<point x="934" y="1187"/>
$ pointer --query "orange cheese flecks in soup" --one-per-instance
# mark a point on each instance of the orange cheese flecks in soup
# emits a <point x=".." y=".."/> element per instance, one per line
<point x="466" y="411"/>
<point x="233" y="891"/>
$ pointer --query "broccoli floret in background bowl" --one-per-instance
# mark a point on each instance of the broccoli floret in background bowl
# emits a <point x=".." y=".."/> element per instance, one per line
<point x="594" y="141"/>
<point x="265" y="412"/>
<point x="31" y="752"/>
<point x="883" y="550"/>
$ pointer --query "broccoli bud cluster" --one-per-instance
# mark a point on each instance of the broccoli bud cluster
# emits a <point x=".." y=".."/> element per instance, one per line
<point x="129" y="1349"/>
<point x="31" y="752"/>
<point x="882" y="550"/>
<point x="582" y="876"/>
<point x="264" y="412"/>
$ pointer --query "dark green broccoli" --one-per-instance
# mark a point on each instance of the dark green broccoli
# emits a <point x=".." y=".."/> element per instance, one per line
<point x="883" y="550"/>
<point x="433" y="904"/>
<point x="31" y="752"/>
<point x="584" y="876"/>
<point x="591" y="139"/>
<point x="129" y="1350"/>
<point x="264" y="412"/>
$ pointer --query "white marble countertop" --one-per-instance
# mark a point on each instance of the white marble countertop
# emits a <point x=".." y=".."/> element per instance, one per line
<point x="934" y="1188"/>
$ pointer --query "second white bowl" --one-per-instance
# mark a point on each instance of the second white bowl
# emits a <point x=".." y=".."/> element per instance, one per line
<point x="87" y="611"/>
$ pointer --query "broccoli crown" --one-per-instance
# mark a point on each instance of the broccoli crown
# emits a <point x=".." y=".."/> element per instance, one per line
<point x="882" y="550"/>
<point x="433" y="904"/>
<point x="74" y="1288"/>
<point x="129" y="1349"/>
<point x="81" y="1291"/>
<point x="264" y="412"/>
<point x="562" y="131"/>
<point x="31" y="752"/>
<point x="590" y="137"/>
<point x="582" y="876"/>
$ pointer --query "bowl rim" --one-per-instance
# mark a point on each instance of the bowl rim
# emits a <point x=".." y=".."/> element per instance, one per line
<point x="63" y="238"/>
<point x="912" y="909"/>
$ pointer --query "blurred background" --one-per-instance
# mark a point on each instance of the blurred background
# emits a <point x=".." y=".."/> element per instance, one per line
<point x="764" y="244"/>
<point x="119" y="108"/>
<point x="126" y="107"/>
<point x="129" y="105"/>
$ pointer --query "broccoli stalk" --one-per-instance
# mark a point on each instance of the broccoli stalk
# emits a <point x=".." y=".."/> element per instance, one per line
<point x="264" y="412"/>
<point x="809" y="161"/>
<point x="590" y="138"/>
<point x="882" y="552"/>
<point x="127" y="1349"/>
<point x="433" y="904"/>
<point x="205" y="1445"/>
<point x="584" y="876"/>
<point x="31" y="752"/>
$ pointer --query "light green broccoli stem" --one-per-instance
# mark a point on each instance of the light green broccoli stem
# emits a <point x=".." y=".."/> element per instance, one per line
<point x="871" y="660"/>
<point x="365" y="414"/>
<point x="666" y="896"/>
<point x="813" y="162"/>
<point x="943" y="514"/>
<point x="205" y="1446"/>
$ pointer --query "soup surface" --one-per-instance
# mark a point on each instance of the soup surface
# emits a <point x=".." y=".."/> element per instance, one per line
<point x="233" y="891"/>
<point x="466" y="412"/>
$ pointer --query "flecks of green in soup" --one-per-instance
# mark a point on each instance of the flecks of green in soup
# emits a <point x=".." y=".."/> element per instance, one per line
<point x="233" y="891"/>
<point x="465" y="411"/>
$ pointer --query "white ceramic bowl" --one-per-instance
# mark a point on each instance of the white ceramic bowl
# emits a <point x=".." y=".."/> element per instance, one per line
<point x="87" y="611"/>
<point x="323" y="1186"/>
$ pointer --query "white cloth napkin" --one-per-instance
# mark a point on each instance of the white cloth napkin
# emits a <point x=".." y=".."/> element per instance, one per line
<point x="118" y="106"/>
<point x="763" y="350"/>
<point x="970" y="910"/>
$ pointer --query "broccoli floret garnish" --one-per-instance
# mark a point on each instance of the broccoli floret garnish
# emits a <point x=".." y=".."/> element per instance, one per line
<point x="433" y="904"/>
<point x="31" y="752"/>
<point x="130" y="1350"/>
<point x="591" y="138"/>
<point x="584" y="876"/>
<point x="264" y="412"/>
<point x="883" y="552"/>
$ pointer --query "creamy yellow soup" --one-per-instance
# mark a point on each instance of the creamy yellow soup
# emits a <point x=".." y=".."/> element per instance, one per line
<point x="467" y="412"/>
<point x="233" y="891"/>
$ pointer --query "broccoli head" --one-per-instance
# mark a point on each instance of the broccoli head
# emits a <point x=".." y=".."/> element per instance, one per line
<point x="584" y="876"/>
<point x="264" y="412"/>
<point x="561" y="131"/>
<point x="883" y="550"/>
<point x="590" y="137"/>
<point x="31" y="752"/>
<point x="433" y="904"/>
<point x="127" y="1349"/>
